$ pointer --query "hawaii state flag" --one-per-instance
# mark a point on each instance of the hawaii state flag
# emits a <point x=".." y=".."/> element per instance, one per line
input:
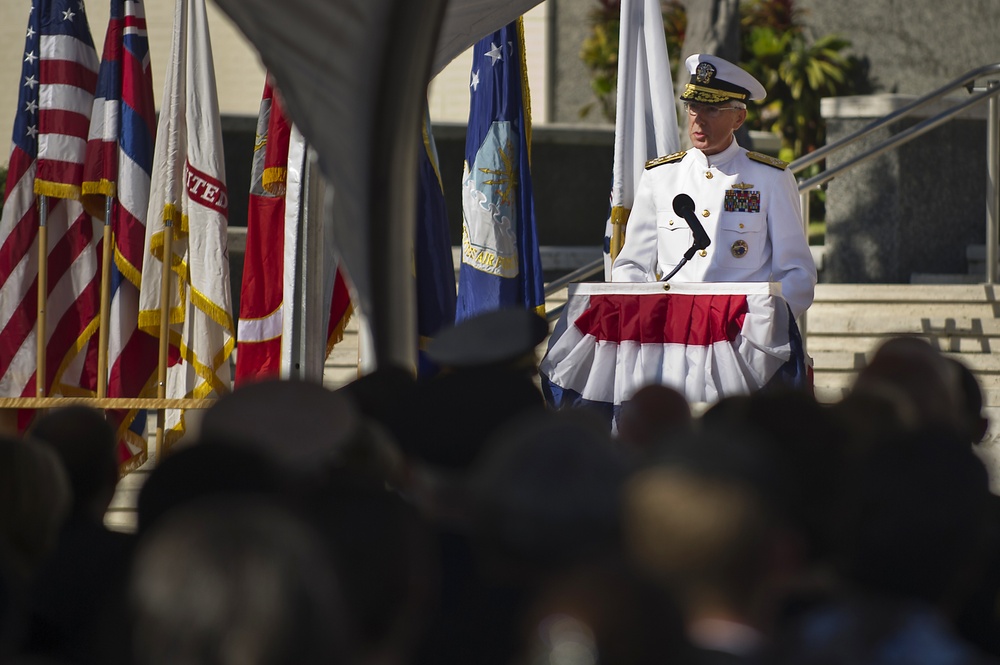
<point x="501" y="266"/>
<point x="645" y="114"/>
<point x="706" y="340"/>
<point x="188" y="189"/>
<point x="117" y="171"/>
<point x="58" y="76"/>
<point x="276" y="195"/>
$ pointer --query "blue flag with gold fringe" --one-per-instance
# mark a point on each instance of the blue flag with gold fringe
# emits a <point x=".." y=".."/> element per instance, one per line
<point x="501" y="266"/>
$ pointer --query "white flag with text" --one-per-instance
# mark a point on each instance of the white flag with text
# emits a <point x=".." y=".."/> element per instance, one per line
<point x="188" y="191"/>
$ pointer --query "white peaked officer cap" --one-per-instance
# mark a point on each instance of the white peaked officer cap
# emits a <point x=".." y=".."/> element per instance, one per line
<point x="714" y="81"/>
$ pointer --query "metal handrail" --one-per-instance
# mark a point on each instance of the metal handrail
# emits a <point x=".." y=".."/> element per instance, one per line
<point x="581" y="273"/>
<point x="964" y="81"/>
<point x="989" y="93"/>
<point x="892" y="142"/>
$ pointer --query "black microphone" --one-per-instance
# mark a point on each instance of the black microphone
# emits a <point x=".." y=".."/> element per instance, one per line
<point x="684" y="207"/>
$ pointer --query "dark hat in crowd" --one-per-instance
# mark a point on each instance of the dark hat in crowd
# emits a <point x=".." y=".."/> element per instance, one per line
<point x="501" y="337"/>
<point x="716" y="81"/>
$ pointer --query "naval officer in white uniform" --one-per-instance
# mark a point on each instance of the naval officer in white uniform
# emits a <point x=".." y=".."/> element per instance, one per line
<point x="747" y="202"/>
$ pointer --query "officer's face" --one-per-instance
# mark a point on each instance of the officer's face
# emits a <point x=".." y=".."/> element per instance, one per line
<point x="710" y="134"/>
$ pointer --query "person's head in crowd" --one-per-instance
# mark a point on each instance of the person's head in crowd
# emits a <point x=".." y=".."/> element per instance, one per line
<point x="305" y="426"/>
<point x="915" y="519"/>
<point x="383" y="394"/>
<point x="235" y="582"/>
<point x="871" y="416"/>
<point x="876" y="630"/>
<point x="504" y="338"/>
<point x="916" y="377"/>
<point x="806" y="441"/>
<point x="85" y="442"/>
<point x="386" y="560"/>
<point x="77" y="589"/>
<point x="706" y="520"/>
<point x="546" y="494"/>
<point x="208" y="469"/>
<point x="450" y="423"/>
<point x="603" y="614"/>
<point x="974" y="422"/>
<point x="35" y="500"/>
<point x="655" y="411"/>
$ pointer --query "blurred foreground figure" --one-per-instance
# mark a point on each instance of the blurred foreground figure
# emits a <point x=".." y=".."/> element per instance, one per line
<point x="705" y="520"/>
<point x="79" y="585"/>
<point x="234" y="583"/>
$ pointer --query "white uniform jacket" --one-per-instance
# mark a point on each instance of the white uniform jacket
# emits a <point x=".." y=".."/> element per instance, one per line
<point x="750" y="210"/>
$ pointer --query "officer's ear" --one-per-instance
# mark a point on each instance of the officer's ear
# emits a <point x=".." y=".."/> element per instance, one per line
<point x="740" y="118"/>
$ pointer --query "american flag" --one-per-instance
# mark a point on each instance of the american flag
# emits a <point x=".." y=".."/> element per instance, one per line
<point x="117" y="170"/>
<point x="58" y="76"/>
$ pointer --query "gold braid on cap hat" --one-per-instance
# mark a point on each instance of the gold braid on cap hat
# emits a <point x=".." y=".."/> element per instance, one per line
<point x="709" y="95"/>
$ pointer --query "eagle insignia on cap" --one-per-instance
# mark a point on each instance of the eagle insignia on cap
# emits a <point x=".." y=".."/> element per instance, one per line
<point x="705" y="73"/>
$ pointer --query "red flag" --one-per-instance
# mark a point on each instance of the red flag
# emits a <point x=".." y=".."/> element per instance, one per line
<point x="262" y="323"/>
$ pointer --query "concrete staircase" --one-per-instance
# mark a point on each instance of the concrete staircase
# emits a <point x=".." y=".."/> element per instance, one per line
<point x="847" y="322"/>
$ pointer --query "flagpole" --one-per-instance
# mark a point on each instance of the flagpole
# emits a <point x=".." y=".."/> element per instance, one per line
<point x="619" y="216"/>
<point x="102" y="347"/>
<point x="161" y="365"/>
<point x="43" y="288"/>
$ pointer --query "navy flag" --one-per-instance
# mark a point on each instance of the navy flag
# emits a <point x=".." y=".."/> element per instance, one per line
<point x="501" y="266"/>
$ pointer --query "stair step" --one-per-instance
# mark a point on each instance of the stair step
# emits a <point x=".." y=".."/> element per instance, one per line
<point x="831" y="385"/>
<point x="861" y="293"/>
<point x="980" y="363"/>
<point x="819" y="342"/>
<point x="931" y="320"/>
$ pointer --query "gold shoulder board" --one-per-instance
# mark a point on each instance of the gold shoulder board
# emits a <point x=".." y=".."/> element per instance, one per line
<point x="666" y="159"/>
<point x="767" y="159"/>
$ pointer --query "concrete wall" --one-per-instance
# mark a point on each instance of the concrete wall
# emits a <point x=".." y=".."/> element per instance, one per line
<point x="912" y="46"/>
<point x="570" y="78"/>
<point x="917" y="209"/>
<point x="571" y="176"/>
<point x="912" y="210"/>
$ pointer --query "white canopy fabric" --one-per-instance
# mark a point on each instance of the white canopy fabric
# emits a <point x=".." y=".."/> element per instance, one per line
<point x="353" y="76"/>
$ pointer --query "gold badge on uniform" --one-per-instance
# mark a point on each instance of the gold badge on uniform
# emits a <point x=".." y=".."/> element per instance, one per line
<point x="740" y="249"/>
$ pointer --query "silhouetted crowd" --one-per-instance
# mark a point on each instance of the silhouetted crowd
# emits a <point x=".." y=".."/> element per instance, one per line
<point x="458" y="521"/>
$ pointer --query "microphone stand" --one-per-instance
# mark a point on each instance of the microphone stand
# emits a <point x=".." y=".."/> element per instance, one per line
<point x="684" y="259"/>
